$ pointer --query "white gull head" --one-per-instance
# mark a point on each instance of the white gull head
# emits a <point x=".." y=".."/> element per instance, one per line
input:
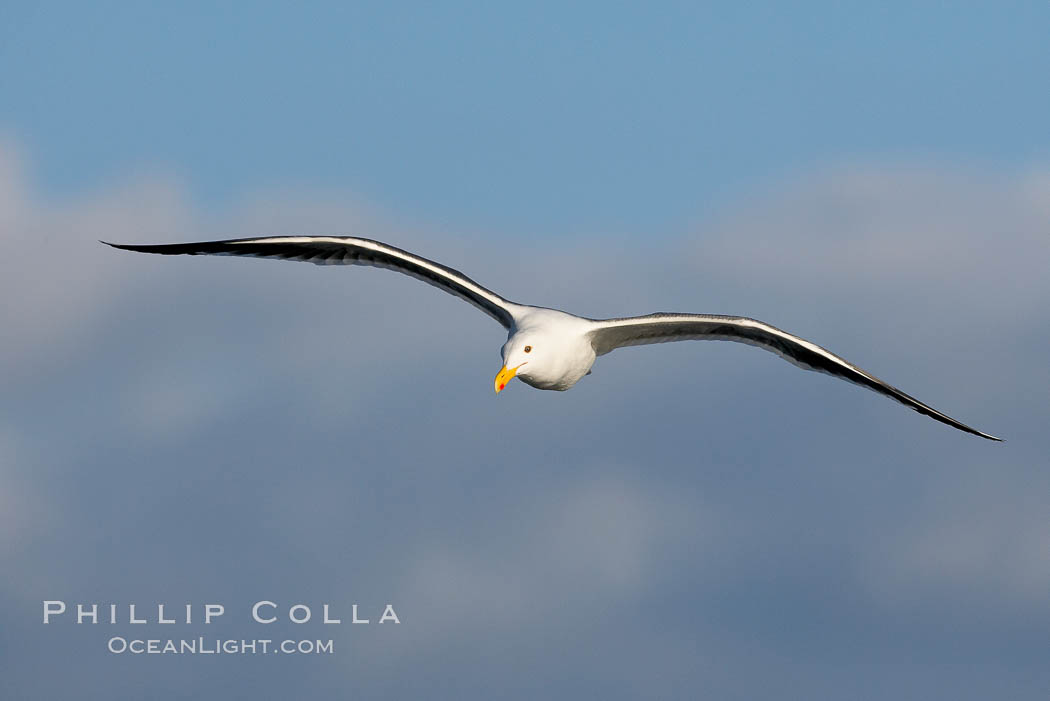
<point x="547" y="349"/>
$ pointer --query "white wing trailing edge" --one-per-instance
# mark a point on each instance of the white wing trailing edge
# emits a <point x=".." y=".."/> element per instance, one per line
<point x="610" y="334"/>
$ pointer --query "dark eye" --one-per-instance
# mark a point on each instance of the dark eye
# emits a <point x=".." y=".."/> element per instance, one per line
<point x="528" y="349"/>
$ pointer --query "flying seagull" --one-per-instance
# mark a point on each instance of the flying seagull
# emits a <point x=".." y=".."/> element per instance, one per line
<point x="548" y="348"/>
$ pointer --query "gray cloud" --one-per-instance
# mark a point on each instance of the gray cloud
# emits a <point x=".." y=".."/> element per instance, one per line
<point x="692" y="516"/>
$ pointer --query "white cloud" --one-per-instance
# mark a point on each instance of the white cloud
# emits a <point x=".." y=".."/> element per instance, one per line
<point x="918" y="235"/>
<point x="591" y="545"/>
<point x="984" y="543"/>
<point x="57" y="282"/>
<point x="27" y="513"/>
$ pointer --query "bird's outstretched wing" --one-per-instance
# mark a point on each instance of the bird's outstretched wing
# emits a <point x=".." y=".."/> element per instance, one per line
<point x="610" y="334"/>
<point x="346" y="250"/>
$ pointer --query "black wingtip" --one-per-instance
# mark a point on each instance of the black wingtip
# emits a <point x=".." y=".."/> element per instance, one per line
<point x="165" y="248"/>
<point x="989" y="436"/>
<point x="974" y="431"/>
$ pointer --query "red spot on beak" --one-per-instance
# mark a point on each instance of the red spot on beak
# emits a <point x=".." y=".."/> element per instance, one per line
<point x="502" y="386"/>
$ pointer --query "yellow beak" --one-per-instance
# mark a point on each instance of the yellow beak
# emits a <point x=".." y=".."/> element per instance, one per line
<point x="504" y="377"/>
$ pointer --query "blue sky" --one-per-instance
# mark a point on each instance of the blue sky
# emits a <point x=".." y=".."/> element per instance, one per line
<point x="692" y="520"/>
<point x="550" y="119"/>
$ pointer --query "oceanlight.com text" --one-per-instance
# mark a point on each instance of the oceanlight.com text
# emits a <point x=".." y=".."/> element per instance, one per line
<point x="214" y="646"/>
